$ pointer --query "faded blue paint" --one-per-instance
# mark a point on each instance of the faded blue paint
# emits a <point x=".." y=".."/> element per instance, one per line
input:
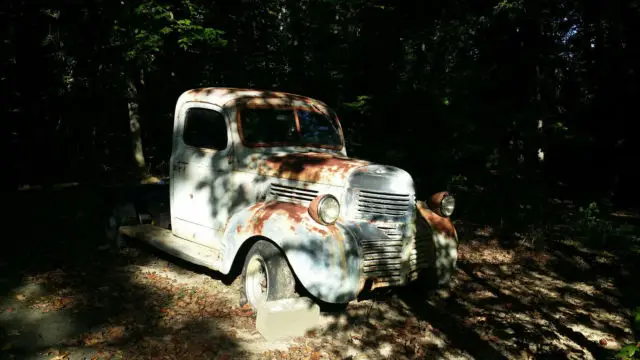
<point x="325" y="259"/>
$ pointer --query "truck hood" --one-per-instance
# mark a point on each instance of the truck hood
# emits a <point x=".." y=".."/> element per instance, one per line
<point x="313" y="167"/>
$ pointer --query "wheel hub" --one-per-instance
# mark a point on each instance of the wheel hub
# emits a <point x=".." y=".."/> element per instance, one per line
<point x="256" y="282"/>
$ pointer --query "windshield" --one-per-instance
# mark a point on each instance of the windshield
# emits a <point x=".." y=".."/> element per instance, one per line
<point x="288" y="127"/>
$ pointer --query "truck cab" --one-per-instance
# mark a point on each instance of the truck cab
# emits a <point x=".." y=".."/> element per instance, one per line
<point x="260" y="182"/>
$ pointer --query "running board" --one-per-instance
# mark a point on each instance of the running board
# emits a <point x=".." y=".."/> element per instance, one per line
<point x="166" y="241"/>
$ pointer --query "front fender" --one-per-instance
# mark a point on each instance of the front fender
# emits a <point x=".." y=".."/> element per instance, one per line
<point x="441" y="239"/>
<point x="325" y="259"/>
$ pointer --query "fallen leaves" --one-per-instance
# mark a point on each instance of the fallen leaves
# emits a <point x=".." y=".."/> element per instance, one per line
<point x="60" y="357"/>
<point x="245" y="311"/>
<point x="151" y="276"/>
<point x="474" y="320"/>
<point x="54" y="277"/>
<point x="199" y="312"/>
<point x="490" y="338"/>
<point x="116" y="333"/>
<point x="477" y="252"/>
<point x="57" y="354"/>
<point x="293" y="353"/>
<point x="53" y="303"/>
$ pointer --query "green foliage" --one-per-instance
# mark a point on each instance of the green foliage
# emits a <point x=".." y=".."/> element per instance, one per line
<point x="458" y="181"/>
<point x="593" y="226"/>
<point x="361" y="104"/>
<point x="155" y="26"/>
<point x="509" y="5"/>
<point x="632" y="350"/>
<point x="190" y="34"/>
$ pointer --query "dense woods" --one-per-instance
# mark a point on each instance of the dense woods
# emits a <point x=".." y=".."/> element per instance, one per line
<point x="459" y="93"/>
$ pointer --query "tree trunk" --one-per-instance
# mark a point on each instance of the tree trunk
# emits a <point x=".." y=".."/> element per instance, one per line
<point x="134" y="127"/>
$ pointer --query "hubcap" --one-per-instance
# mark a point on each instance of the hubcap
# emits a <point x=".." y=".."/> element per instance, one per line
<point x="256" y="282"/>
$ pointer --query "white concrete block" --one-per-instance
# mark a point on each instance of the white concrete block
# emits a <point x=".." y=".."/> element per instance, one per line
<point x="287" y="318"/>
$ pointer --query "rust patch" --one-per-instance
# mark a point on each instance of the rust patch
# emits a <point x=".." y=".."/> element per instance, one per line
<point x="323" y="229"/>
<point x="313" y="209"/>
<point x="336" y="233"/>
<point x="292" y="211"/>
<point x="377" y="283"/>
<point x="310" y="167"/>
<point x="438" y="223"/>
<point x="434" y="201"/>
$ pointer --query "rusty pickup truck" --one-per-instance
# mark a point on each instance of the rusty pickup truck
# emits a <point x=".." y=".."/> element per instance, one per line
<point x="261" y="185"/>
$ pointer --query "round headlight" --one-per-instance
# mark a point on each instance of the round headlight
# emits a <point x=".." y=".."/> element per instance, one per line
<point x="325" y="209"/>
<point x="328" y="209"/>
<point x="447" y="205"/>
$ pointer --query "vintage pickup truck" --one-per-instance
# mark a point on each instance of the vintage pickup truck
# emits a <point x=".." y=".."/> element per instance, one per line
<point x="261" y="185"/>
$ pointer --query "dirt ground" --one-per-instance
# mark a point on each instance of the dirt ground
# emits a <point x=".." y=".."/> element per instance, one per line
<point x="64" y="295"/>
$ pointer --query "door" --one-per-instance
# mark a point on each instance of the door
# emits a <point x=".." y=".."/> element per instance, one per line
<point x="201" y="173"/>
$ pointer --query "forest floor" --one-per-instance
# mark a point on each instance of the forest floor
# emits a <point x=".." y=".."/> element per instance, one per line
<point x="64" y="295"/>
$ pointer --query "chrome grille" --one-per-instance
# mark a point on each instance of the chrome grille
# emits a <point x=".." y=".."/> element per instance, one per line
<point x="291" y="193"/>
<point x="392" y="230"/>
<point x="382" y="260"/>
<point x="418" y="257"/>
<point x="373" y="204"/>
<point x="421" y="250"/>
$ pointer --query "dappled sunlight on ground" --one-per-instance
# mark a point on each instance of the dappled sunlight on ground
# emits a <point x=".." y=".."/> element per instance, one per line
<point x="529" y="305"/>
<point x="140" y="310"/>
<point x="489" y="252"/>
<point x="65" y="297"/>
<point x="143" y="305"/>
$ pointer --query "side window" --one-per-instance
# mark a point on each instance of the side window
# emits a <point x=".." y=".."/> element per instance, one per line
<point x="205" y="128"/>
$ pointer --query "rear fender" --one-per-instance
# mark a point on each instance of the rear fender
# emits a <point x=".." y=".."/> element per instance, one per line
<point x="325" y="259"/>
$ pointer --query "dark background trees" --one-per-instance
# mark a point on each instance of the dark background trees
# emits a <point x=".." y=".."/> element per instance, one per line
<point x="508" y="103"/>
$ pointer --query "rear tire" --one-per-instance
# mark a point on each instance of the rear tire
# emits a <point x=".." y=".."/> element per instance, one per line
<point x="266" y="275"/>
<point x="124" y="214"/>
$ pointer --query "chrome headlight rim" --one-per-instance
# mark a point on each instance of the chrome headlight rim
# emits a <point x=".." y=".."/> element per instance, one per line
<point x="323" y="203"/>
<point x="317" y="209"/>
<point x="447" y="205"/>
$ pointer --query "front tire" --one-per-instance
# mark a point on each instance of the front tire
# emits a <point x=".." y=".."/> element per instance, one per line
<point x="266" y="275"/>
